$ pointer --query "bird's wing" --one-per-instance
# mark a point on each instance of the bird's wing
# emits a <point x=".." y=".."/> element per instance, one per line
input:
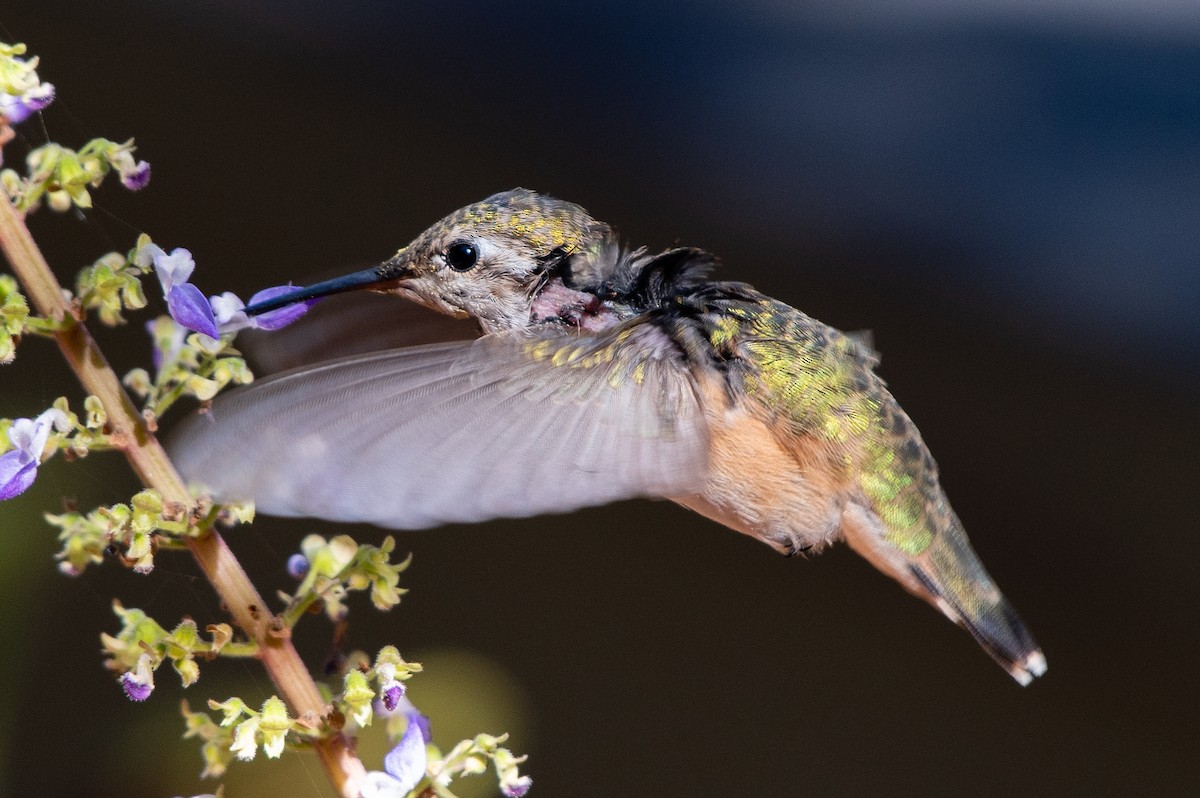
<point x="350" y="324"/>
<point x="504" y="426"/>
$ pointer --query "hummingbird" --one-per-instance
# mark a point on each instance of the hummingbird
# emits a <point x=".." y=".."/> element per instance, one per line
<point x="601" y="373"/>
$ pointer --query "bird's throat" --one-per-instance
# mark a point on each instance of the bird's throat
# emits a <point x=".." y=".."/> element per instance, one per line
<point x="555" y="302"/>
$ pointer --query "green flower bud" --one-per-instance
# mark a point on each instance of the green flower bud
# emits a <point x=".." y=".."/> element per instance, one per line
<point x="274" y="724"/>
<point x="358" y="695"/>
<point x="188" y="670"/>
<point x="232" y="709"/>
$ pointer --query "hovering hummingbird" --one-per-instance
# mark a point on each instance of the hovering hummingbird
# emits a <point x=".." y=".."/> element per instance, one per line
<point x="602" y="373"/>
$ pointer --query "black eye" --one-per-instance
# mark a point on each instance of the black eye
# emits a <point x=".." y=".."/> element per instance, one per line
<point x="462" y="256"/>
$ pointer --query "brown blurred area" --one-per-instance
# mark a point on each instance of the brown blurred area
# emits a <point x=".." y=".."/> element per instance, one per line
<point x="1008" y="203"/>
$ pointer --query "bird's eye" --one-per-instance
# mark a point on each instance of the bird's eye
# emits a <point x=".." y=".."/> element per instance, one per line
<point x="462" y="256"/>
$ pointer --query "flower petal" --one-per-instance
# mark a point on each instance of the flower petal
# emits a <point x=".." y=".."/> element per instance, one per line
<point x="228" y="310"/>
<point x="16" y="473"/>
<point x="517" y="787"/>
<point x="174" y="269"/>
<point x="13" y="109"/>
<point x="392" y="692"/>
<point x="188" y="306"/>
<point x="139" y="682"/>
<point x="381" y="785"/>
<point x="281" y="317"/>
<point x="406" y="761"/>
<point x="422" y="722"/>
<point x="244" y="746"/>
<point x="39" y="97"/>
<point x="18" y="108"/>
<point x="137" y="178"/>
<point x="135" y="690"/>
<point x="148" y="254"/>
<point x="29" y="436"/>
<point x="49" y="418"/>
<point x="22" y="434"/>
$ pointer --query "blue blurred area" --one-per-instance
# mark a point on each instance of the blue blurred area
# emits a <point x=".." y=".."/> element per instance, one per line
<point x="1007" y="193"/>
<point x="1050" y="148"/>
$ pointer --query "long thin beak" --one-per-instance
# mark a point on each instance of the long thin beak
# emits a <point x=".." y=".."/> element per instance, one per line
<point x="387" y="272"/>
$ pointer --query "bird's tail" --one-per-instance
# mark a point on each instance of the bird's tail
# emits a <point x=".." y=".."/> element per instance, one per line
<point x="952" y="578"/>
<point x="948" y="574"/>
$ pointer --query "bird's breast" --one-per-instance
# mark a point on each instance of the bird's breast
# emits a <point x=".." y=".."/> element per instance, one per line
<point x="758" y="486"/>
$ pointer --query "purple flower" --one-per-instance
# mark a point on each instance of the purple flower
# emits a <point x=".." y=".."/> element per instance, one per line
<point x="185" y="303"/>
<point x="216" y="315"/>
<point x="393" y="691"/>
<point x="136" y="178"/>
<point x="135" y="175"/>
<point x="18" y="467"/>
<point x="405" y="763"/>
<point x="134" y="689"/>
<point x="138" y="683"/>
<point x="16" y="108"/>
<point x="280" y="317"/>
<point x="231" y="316"/>
<point x="188" y="306"/>
<point x="17" y="471"/>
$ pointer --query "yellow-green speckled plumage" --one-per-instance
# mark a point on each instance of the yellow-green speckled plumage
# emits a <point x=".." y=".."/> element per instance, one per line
<point x="817" y="383"/>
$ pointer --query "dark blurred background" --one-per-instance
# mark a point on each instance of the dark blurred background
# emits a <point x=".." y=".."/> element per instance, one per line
<point x="1007" y="196"/>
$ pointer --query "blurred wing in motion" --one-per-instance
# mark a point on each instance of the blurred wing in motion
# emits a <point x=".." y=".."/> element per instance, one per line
<point x="504" y="426"/>
<point x="351" y="324"/>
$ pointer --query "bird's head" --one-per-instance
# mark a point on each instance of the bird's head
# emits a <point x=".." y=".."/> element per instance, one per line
<point x="487" y="261"/>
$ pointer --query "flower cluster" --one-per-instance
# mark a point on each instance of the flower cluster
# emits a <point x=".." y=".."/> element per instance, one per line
<point x="415" y="765"/>
<point x="389" y="674"/>
<point x="136" y="530"/>
<point x="112" y="284"/>
<point x="331" y="568"/>
<point x="14" y="311"/>
<point x="199" y="365"/>
<point x="16" y="321"/>
<point x="142" y="645"/>
<point x="62" y="176"/>
<point x="216" y="741"/>
<point x="471" y="757"/>
<point x="193" y="355"/>
<point x="185" y="365"/>
<point x="22" y="94"/>
<point x="267" y="727"/>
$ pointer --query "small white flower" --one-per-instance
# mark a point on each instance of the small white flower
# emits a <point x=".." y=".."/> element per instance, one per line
<point x="244" y="746"/>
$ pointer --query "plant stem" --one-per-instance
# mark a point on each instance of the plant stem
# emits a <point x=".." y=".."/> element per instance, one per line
<point x="156" y="471"/>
